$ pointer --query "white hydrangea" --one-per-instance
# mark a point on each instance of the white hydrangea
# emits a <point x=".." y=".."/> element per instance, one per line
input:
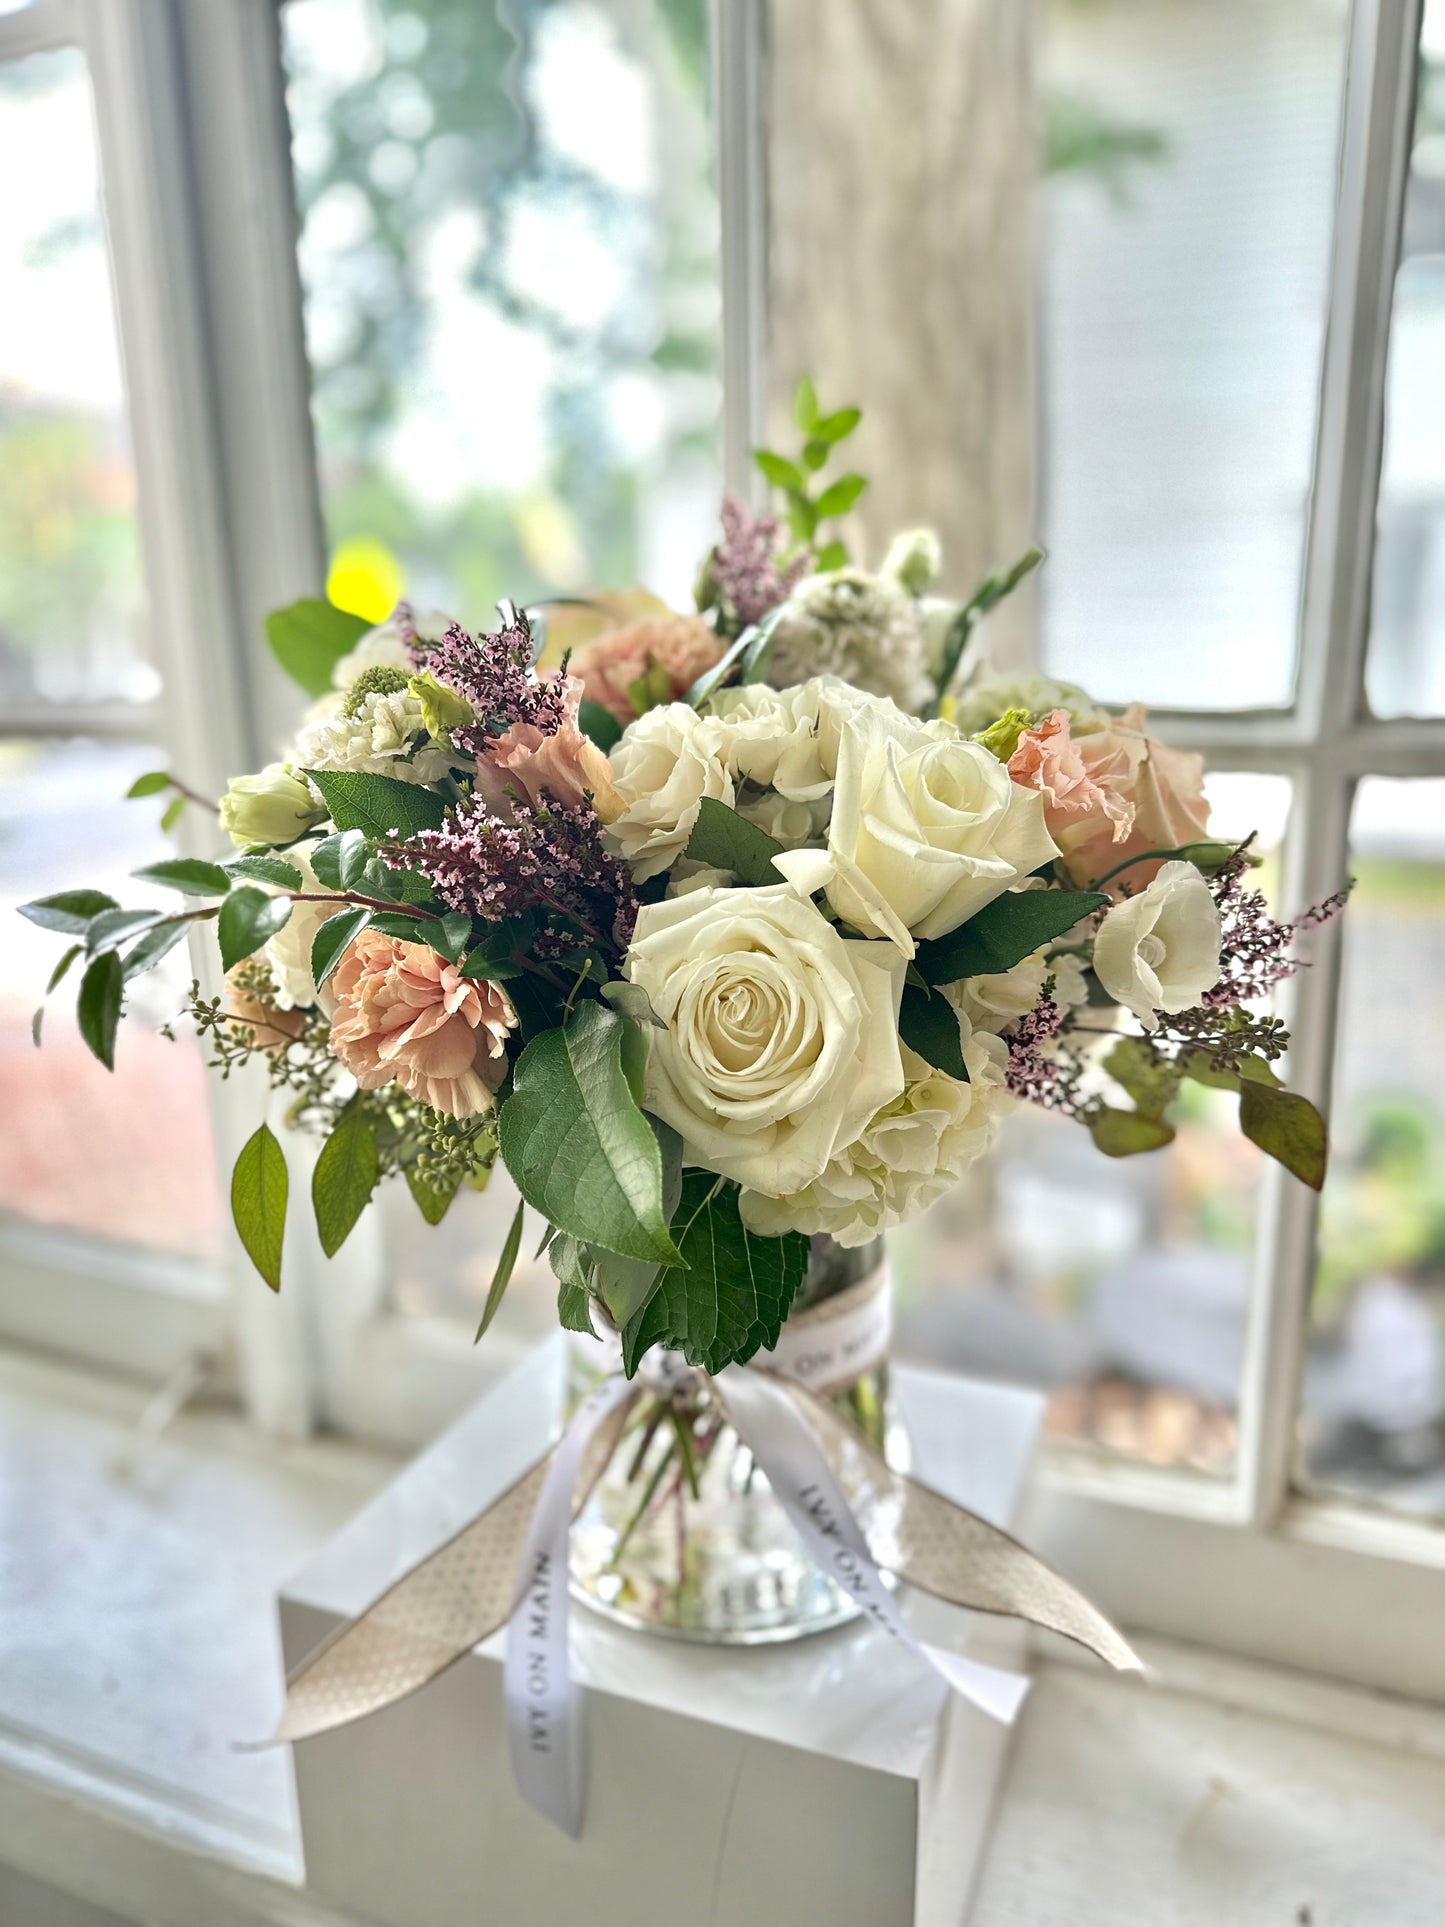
<point x="863" y="628"/>
<point x="376" y="739"/>
<point x="384" y="647"/>
<point x="992" y="1003"/>
<point x="982" y="701"/>
<point x="912" y="1153"/>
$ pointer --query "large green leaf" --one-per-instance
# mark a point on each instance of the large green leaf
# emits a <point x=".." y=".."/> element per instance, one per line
<point x="155" y="944"/>
<point x="1288" y="1127"/>
<point x="928" y="1024"/>
<point x="68" y="911"/>
<point x="265" y="869"/>
<point x="333" y="939"/>
<point x="732" y="1299"/>
<point x="259" y="1185"/>
<point x="578" y="1147"/>
<point x="729" y="842"/>
<point x="310" y="637"/>
<point x="600" y="724"/>
<point x="1124" y="1134"/>
<point x="344" y="1179"/>
<point x="98" y="1007"/>
<point x="381" y="806"/>
<point x="339" y="859"/>
<point x="840" y="496"/>
<point x="189" y="875"/>
<point x="625" y="1284"/>
<point x="1003" y="933"/>
<point x="248" y="918"/>
<point x="112" y="928"/>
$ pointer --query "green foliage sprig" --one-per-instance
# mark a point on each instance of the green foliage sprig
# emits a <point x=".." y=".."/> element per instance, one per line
<point x="823" y="435"/>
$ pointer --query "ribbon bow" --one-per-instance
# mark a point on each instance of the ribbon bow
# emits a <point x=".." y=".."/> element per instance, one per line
<point x="854" y="1512"/>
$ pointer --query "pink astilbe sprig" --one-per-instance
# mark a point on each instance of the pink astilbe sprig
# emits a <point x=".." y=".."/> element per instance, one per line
<point x="745" y="564"/>
<point x="546" y="858"/>
<point x="1256" y="950"/>
<point x="495" y="675"/>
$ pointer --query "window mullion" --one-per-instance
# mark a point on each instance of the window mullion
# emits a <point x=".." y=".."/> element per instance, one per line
<point x="739" y="70"/>
<point x="1377" y="124"/>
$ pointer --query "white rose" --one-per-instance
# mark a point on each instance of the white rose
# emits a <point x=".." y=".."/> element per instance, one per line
<point x="1160" y="950"/>
<point x="926" y="830"/>
<point x="786" y="822"/>
<point x="289" y="952"/>
<point x="770" y="737"/>
<point x="782" y="1038"/>
<point x="663" y="766"/>
<point x="911" y="1152"/>
<point x="271" y="807"/>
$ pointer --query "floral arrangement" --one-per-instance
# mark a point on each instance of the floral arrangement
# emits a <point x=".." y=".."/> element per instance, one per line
<point x="721" y="930"/>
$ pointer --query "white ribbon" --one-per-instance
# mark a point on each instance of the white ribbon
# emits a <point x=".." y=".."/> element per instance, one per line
<point x="541" y="1706"/>
<point x="537" y="1686"/>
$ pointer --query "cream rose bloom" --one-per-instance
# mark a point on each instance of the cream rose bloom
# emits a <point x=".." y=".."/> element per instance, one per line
<point x="662" y="767"/>
<point x="926" y="830"/>
<point x="1160" y="950"/>
<point x="782" y="1038"/>
<point x="912" y="1151"/>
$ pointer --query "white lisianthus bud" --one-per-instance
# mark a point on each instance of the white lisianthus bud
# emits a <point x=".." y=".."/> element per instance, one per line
<point x="914" y="559"/>
<point x="782" y="1037"/>
<point x="1160" y="950"/>
<point x="271" y="807"/>
<point x="663" y="766"/>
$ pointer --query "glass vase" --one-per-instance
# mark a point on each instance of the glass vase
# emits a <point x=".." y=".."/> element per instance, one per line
<point x="682" y="1534"/>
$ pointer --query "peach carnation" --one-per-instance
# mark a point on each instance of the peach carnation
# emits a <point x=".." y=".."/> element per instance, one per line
<point x="406" y="1015"/>
<point x="682" y="647"/>
<point x="565" y="764"/>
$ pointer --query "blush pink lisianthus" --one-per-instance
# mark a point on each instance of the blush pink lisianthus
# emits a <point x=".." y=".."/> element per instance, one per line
<point x="406" y="1015"/>
<point x="1047" y="759"/>
<point x="682" y="647"/>
<point x="1164" y="787"/>
<point x="564" y="763"/>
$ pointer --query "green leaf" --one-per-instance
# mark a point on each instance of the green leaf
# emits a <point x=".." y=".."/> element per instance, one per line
<point x="151" y="784"/>
<point x="187" y="874"/>
<point x="569" y="1260"/>
<point x="248" y="918"/>
<point x="58" y="974"/>
<point x="650" y="690"/>
<point x="36" y="1021"/>
<point x="815" y="453"/>
<point x="833" y="555"/>
<point x="69" y="911"/>
<point x="266" y="869"/>
<point x="928" y="1024"/>
<point x="432" y="1200"/>
<point x="331" y="941"/>
<point x="112" y="928"/>
<point x="1003" y="933"/>
<point x="154" y="945"/>
<point x="259" y="1185"/>
<point x="805" y="405"/>
<point x="344" y="1179"/>
<point x="173" y="812"/>
<point x="380" y="805"/>
<point x="840" y="496"/>
<point x="310" y="637"/>
<point x="502" y="1276"/>
<point x="839" y="425"/>
<point x="579" y="1149"/>
<point x="759" y="640"/>
<point x="989" y="592"/>
<point x="448" y="935"/>
<point x="802" y="517"/>
<point x="714" y="678"/>
<point x="735" y="1294"/>
<point x="599" y="724"/>
<point x="625" y="1284"/>
<point x="780" y="471"/>
<point x="1123" y="1134"/>
<point x="484" y="969"/>
<point x="1287" y="1127"/>
<point x="97" y="1010"/>
<point x="335" y="855"/>
<point x="1150" y="1079"/>
<point x="729" y="842"/>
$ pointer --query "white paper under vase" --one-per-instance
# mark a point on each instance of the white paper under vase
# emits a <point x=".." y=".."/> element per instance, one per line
<point x="682" y="1534"/>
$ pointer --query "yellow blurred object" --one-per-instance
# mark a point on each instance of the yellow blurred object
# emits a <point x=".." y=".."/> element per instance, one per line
<point x="570" y="624"/>
<point x="366" y="579"/>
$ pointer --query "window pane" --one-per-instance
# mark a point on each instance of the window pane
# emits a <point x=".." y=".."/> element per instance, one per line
<point x="1374" y="1397"/>
<point x="124" y="1155"/>
<point x="1406" y="669"/>
<point x="509" y="249"/>
<point x="1185" y="230"/>
<point x="1119" y="1287"/>
<point x="70" y="587"/>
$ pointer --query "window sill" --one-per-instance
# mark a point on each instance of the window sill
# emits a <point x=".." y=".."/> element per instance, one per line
<point x="138" y="1642"/>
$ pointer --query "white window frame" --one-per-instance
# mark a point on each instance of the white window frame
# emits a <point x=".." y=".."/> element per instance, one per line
<point x="195" y="158"/>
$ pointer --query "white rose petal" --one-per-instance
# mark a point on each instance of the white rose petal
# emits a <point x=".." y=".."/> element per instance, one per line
<point x="1160" y="950"/>
<point x="910" y="1154"/>
<point x="782" y="1037"/>
<point x="663" y="766"/>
